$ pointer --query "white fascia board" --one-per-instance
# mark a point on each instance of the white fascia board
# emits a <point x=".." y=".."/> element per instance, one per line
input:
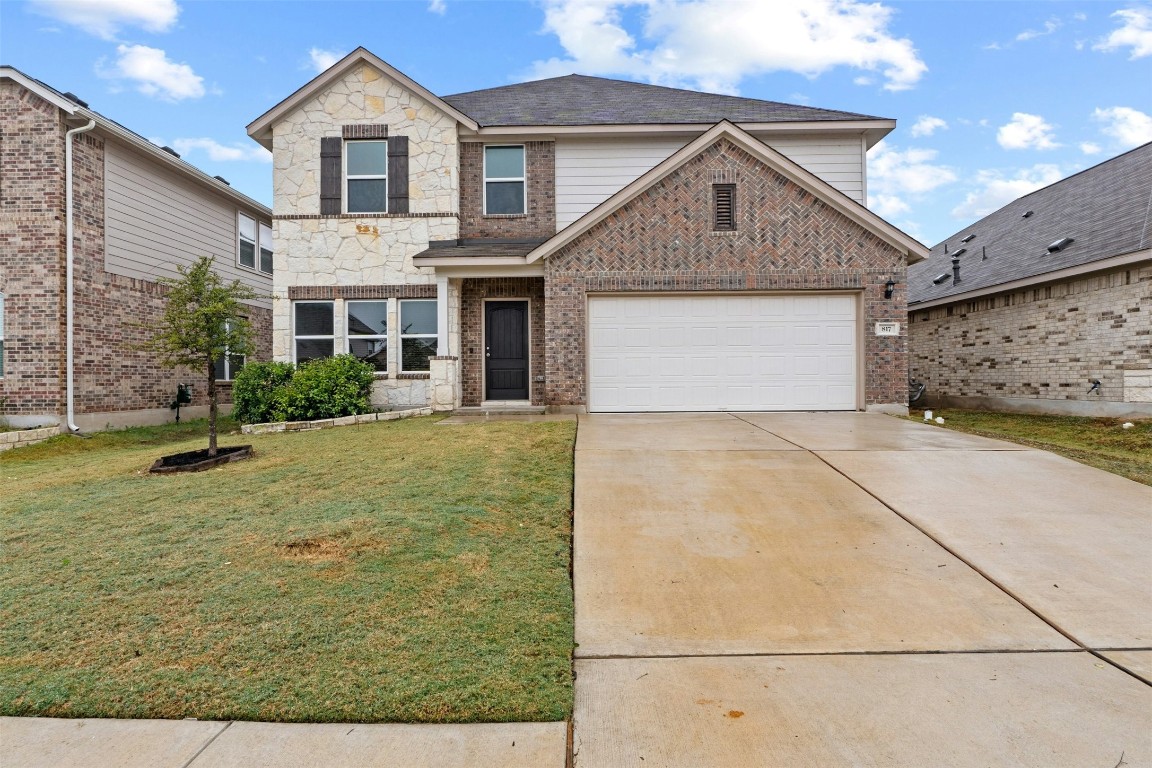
<point x="1103" y="265"/>
<point x="460" y="261"/>
<point x="508" y="270"/>
<point x="873" y="130"/>
<point x="260" y="129"/>
<point x="913" y="250"/>
<point x="49" y="95"/>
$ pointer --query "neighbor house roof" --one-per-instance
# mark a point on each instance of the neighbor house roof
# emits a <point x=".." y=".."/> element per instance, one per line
<point x="584" y="100"/>
<point x="1103" y="212"/>
<point x="79" y="113"/>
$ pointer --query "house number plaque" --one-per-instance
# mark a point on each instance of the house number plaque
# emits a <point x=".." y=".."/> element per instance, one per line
<point x="365" y="229"/>
<point x="887" y="329"/>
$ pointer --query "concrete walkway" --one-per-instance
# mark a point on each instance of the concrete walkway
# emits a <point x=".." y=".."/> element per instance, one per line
<point x="854" y="589"/>
<point x="786" y="590"/>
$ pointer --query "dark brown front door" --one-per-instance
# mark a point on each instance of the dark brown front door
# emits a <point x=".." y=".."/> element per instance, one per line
<point x="506" y="350"/>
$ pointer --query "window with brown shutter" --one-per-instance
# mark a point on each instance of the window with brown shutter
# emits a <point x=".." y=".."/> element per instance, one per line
<point x="723" y="207"/>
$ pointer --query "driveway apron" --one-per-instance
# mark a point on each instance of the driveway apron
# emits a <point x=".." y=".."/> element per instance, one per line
<point x="822" y="589"/>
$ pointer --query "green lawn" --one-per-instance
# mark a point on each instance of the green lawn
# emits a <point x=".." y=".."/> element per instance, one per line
<point x="398" y="571"/>
<point x="1101" y="443"/>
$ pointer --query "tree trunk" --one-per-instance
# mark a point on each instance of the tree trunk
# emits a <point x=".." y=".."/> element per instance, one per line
<point x="211" y="407"/>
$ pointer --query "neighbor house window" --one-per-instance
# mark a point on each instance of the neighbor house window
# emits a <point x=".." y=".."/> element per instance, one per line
<point x="504" y="180"/>
<point x="368" y="332"/>
<point x="314" y="334"/>
<point x="228" y="365"/>
<point x="1" y="335"/>
<point x="417" y="334"/>
<point x="366" y="176"/>
<point x="254" y="243"/>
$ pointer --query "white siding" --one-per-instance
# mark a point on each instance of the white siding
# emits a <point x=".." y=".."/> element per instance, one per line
<point x="154" y="220"/>
<point x="589" y="171"/>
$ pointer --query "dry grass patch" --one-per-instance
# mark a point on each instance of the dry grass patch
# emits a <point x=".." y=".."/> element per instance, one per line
<point x="399" y="571"/>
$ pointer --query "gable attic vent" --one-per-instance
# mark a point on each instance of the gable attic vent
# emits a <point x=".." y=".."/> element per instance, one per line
<point x="724" y="207"/>
<point x="968" y="239"/>
<point x="171" y="151"/>
<point x="1060" y="244"/>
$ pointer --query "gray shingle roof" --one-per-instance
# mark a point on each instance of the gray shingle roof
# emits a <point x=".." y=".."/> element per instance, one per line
<point x="584" y="100"/>
<point x="1104" y="209"/>
<point x="475" y="249"/>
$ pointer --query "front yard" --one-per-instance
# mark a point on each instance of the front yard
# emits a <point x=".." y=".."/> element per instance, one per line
<point x="1100" y="443"/>
<point x="399" y="571"/>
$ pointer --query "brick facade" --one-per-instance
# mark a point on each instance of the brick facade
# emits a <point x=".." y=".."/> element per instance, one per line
<point x="1043" y="343"/>
<point x="540" y="219"/>
<point x="113" y="314"/>
<point x="786" y="239"/>
<point x="473" y="292"/>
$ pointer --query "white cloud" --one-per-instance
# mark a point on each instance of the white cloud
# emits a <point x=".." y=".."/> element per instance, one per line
<point x="221" y="153"/>
<point x="927" y="125"/>
<point x="104" y="18"/>
<point x="1130" y="127"/>
<point x="437" y="6"/>
<point x="154" y="74"/>
<point x="322" y="59"/>
<point x="1089" y="147"/>
<point x="1135" y="32"/>
<point x="894" y="175"/>
<point x="713" y="44"/>
<point x="1050" y="26"/>
<point x="993" y="189"/>
<point x="1025" y="131"/>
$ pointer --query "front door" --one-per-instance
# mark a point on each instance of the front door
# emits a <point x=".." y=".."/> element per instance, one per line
<point x="506" y="350"/>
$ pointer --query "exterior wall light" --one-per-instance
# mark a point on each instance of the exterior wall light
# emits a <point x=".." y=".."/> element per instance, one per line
<point x="889" y="287"/>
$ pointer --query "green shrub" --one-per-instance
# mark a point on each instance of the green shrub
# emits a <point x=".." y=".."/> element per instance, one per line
<point x="256" y="390"/>
<point x="325" y="389"/>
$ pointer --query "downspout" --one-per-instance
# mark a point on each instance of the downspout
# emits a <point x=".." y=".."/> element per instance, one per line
<point x="68" y="289"/>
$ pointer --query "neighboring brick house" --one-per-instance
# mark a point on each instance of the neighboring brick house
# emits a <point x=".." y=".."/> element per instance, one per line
<point x="1027" y="308"/>
<point x="582" y="243"/>
<point x="139" y="212"/>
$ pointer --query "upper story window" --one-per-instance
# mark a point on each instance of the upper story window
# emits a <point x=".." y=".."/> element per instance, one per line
<point x="254" y="244"/>
<point x="504" y="180"/>
<point x="366" y="176"/>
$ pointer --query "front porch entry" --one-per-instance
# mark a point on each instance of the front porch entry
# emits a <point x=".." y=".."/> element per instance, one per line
<point x="506" y="350"/>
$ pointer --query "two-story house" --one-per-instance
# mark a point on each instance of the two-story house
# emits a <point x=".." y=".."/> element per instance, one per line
<point x="92" y="215"/>
<point x="583" y="243"/>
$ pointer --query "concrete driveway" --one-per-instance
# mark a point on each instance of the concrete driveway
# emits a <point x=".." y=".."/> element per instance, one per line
<point x="854" y="589"/>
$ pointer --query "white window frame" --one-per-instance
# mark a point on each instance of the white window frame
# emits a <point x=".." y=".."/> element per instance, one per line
<point x="295" y="337"/>
<point x="366" y="177"/>
<point x="522" y="179"/>
<point x="349" y="336"/>
<point x="229" y="374"/>
<point x="258" y="243"/>
<point x="400" y="324"/>
<point x="1" y="335"/>
<point x="261" y="247"/>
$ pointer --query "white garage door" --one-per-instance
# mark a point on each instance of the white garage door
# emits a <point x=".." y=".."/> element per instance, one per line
<point x="722" y="353"/>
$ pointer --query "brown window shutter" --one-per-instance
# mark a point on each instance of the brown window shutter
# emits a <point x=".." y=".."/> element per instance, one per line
<point x="331" y="173"/>
<point x="398" y="174"/>
<point x="723" y="207"/>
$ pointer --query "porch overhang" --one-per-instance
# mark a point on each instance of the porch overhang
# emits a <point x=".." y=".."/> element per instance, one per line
<point x="480" y="258"/>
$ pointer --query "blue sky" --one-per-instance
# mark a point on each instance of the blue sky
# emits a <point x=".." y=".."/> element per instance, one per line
<point x="992" y="99"/>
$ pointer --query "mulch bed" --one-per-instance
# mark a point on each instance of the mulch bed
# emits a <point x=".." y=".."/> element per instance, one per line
<point x="198" y="461"/>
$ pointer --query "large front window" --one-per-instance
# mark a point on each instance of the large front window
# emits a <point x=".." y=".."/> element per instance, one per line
<point x="504" y="180"/>
<point x="313" y="329"/>
<point x="417" y="334"/>
<point x="368" y="332"/>
<point x="366" y="176"/>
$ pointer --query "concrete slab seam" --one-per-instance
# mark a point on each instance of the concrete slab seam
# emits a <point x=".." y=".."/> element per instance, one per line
<point x="781" y="654"/>
<point x="206" y="745"/>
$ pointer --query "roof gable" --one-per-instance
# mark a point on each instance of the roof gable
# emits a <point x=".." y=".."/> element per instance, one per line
<point x="260" y="129"/>
<point x="913" y="250"/>
<point x="1106" y="210"/>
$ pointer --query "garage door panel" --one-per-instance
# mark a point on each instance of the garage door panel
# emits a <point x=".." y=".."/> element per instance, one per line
<point x="689" y="353"/>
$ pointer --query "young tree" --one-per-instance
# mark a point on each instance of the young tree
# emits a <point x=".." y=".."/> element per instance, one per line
<point x="203" y="322"/>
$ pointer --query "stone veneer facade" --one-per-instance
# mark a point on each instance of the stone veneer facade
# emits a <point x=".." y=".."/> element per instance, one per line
<point x="115" y="382"/>
<point x="786" y="240"/>
<point x="369" y="251"/>
<point x="1037" y="349"/>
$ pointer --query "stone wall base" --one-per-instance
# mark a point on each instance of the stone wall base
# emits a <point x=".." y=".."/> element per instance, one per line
<point x="1090" y="408"/>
